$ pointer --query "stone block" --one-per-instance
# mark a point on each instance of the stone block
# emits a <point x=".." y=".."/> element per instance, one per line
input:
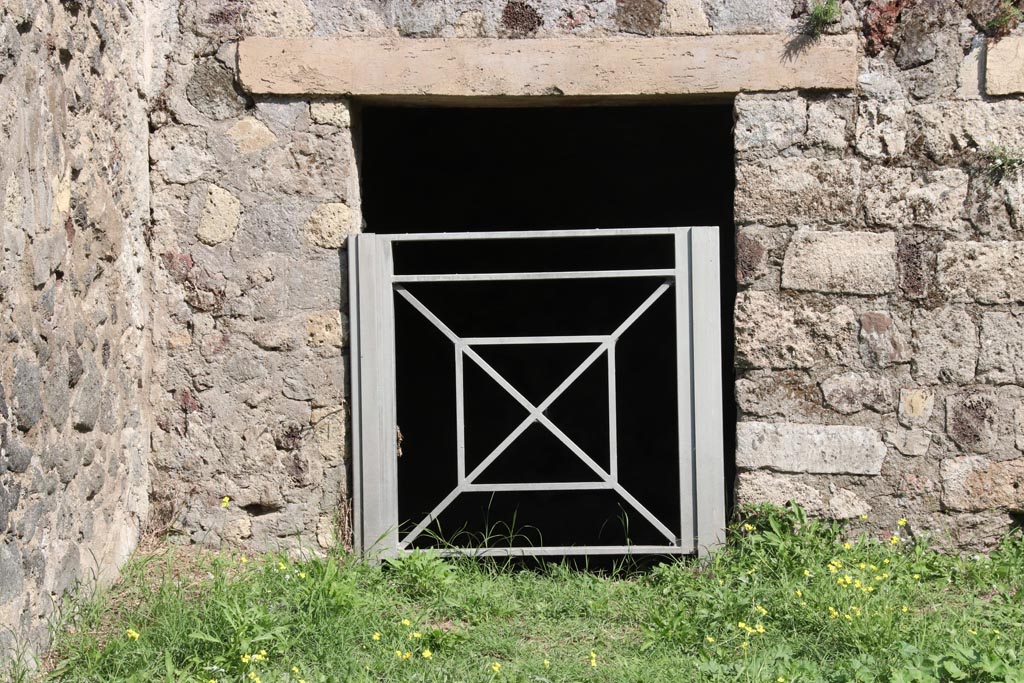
<point x="986" y="272"/>
<point x="945" y="343"/>
<point x="686" y="17"/>
<point x="828" y="123"/>
<point x="788" y="191"/>
<point x="972" y="421"/>
<point x="896" y="198"/>
<point x="570" y="66"/>
<point x="751" y="16"/>
<point x="778" y="489"/>
<point x="26" y="394"/>
<point x="973" y="484"/>
<point x="1004" y="66"/>
<point x="882" y="344"/>
<point x="768" y="334"/>
<point x="325" y="329"/>
<point x="277" y="18"/>
<point x="251" y="135"/>
<point x="851" y="392"/>
<point x="768" y="126"/>
<point x="809" y="448"/>
<point x="1002" y="348"/>
<point x="211" y="90"/>
<point x="752" y="245"/>
<point x="1018" y="426"/>
<point x="331" y="114"/>
<point x="915" y="407"/>
<point x="330" y="225"/>
<point x="882" y="129"/>
<point x="220" y="217"/>
<point x="910" y="441"/>
<point x="840" y="262"/>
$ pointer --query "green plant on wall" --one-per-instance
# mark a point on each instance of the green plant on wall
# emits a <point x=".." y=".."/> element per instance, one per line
<point x="822" y="15"/>
<point x="1000" y="162"/>
<point x="1005" y="18"/>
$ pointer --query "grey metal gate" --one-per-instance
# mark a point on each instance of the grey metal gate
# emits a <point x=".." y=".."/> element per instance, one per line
<point x="691" y="284"/>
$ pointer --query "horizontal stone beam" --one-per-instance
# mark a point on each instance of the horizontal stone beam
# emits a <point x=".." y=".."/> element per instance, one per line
<point x="1004" y="66"/>
<point x="571" y="67"/>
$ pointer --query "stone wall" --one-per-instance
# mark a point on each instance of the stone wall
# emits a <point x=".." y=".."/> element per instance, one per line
<point x="74" y="441"/>
<point x="878" y="322"/>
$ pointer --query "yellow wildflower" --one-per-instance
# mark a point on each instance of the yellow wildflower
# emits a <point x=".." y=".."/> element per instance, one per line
<point x="398" y="653"/>
<point x="864" y="517"/>
<point x="748" y="527"/>
<point x="759" y="628"/>
<point x="781" y="679"/>
<point x="917" y="577"/>
<point x="243" y="559"/>
<point x="406" y="622"/>
<point x="496" y="667"/>
<point x="415" y="634"/>
<point x="742" y="624"/>
<point x="807" y="572"/>
<point x="847" y="546"/>
<point x="710" y="639"/>
<point x="376" y="635"/>
<point x="547" y="663"/>
<point x="427" y="654"/>
<point x="225" y="501"/>
<point x="132" y="634"/>
<point x="902" y="522"/>
<point x="281" y="566"/>
<point x="762" y="610"/>
<point x="407" y="655"/>
<point x="744" y="645"/>
<point x="295" y="669"/>
<point x="246" y="658"/>
<point x="301" y="575"/>
<point x="593" y="656"/>
<point x="895" y="540"/>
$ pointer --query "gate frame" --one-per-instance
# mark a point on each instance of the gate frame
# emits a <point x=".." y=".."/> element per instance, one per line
<point x="695" y="277"/>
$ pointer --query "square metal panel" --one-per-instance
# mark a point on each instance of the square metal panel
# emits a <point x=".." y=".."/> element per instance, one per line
<point x="690" y="286"/>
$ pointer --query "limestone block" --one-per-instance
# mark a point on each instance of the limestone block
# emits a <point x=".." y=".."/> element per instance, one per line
<point x="330" y="225"/>
<point x="846" y="504"/>
<point x="842" y="262"/>
<point x="278" y="18"/>
<point x="882" y="129"/>
<point x="768" y="125"/>
<point x="814" y="449"/>
<point x="969" y="81"/>
<point x="972" y="421"/>
<point x="686" y="17"/>
<point x="778" y="489"/>
<point x="1002" y="348"/>
<point x="751" y="16"/>
<point x="828" y="122"/>
<point x="915" y="407"/>
<point x="881" y="342"/>
<point x="331" y="113"/>
<point x="973" y="483"/>
<point x="752" y="245"/>
<point x="768" y="335"/>
<point x="853" y="391"/>
<point x="787" y="191"/>
<point x="324" y="329"/>
<point x="1018" y="425"/>
<point x="468" y="67"/>
<point x="910" y="441"/>
<point x="986" y="272"/>
<point x="180" y="153"/>
<point x="220" y="217"/>
<point x="945" y="343"/>
<point x="894" y="197"/>
<point x="251" y="135"/>
<point x="1004" y="66"/>
<point x="27" y="403"/>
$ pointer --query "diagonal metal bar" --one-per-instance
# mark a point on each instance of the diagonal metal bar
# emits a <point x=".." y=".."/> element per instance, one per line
<point x="536" y="412"/>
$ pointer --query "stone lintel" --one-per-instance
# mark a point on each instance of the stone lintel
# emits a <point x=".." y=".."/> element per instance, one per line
<point x="569" y="67"/>
<point x="809" y="448"/>
<point x="1004" y="66"/>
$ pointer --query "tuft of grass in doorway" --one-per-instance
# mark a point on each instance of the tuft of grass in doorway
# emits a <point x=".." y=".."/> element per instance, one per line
<point x="789" y="600"/>
<point x="823" y="14"/>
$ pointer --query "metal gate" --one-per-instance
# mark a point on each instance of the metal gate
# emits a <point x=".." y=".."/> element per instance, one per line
<point x="678" y="274"/>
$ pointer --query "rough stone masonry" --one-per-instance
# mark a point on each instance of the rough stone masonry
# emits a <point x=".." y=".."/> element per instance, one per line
<point x="172" y="325"/>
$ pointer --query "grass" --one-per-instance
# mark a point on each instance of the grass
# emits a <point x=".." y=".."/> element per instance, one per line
<point x="788" y="601"/>
<point x="1005" y="18"/>
<point x="1000" y="162"/>
<point x="822" y="15"/>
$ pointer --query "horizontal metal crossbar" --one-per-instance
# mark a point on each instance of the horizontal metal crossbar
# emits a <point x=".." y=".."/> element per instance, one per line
<point x="526" y="235"/>
<point x="562" y="550"/>
<point x="567" y="339"/>
<point x="557" y="275"/>
<point x="542" y="486"/>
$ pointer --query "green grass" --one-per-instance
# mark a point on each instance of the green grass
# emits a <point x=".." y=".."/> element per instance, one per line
<point x="789" y="600"/>
<point x="823" y="14"/>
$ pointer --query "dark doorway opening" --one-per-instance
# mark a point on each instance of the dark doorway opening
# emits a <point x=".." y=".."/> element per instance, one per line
<point x="488" y="169"/>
